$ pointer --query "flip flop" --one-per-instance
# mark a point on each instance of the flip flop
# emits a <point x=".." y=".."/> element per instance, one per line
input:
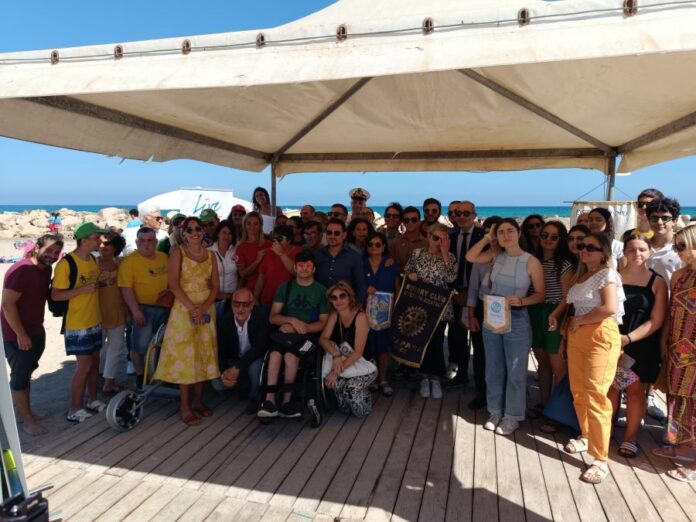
<point x="628" y="449"/>
<point x="683" y="474"/>
<point x="670" y="452"/>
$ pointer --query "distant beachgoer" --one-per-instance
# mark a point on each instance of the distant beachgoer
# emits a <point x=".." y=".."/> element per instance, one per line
<point x="58" y="223"/>
<point x="134" y="220"/>
<point x="52" y="222"/>
<point x="24" y="295"/>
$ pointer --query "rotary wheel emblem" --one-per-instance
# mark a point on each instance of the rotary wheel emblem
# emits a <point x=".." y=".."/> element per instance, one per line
<point x="412" y="321"/>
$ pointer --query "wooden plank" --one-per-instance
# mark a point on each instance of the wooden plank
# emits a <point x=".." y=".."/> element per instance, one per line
<point x="63" y="479"/>
<point x="46" y="475"/>
<point x="557" y="488"/>
<point x="461" y="486"/>
<point x="344" y="479"/>
<point x="532" y="480"/>
<point x="265" y="462"/>
<point x="179" y="505"/>
<point x="250" y="512"/>
<point x="587" y="500"/>
<point x="322" y="476"/>
<point x="485" y="503"/>
<point x="271" y="481"/>
<point x="510" y="499"/>
<point x="610" y="496"/>
<point x="290" y="488"/>
<point x="89" y="491"/>
<point x="410" y="494"/>
<point x="226" y="510"/>
<point x="77" y="486"/>
<point x="202" y="508"/>
<point x="387" y="490"/>
<point x="434" y="502"/>
<point x="154" y="504"/>
<point x="359" y="499"/>
<point x="97" y="506"/>
<point x="277" y="514"/>
<point x="138" y="494"/>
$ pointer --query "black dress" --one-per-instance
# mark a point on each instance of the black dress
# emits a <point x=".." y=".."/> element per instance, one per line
<point x="646" y="352"/>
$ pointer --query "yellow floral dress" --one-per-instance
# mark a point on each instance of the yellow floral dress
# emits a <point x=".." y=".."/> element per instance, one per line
<point x="189" y="352"/>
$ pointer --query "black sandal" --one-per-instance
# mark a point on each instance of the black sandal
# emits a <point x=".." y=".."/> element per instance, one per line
<point x="628" y="449"/>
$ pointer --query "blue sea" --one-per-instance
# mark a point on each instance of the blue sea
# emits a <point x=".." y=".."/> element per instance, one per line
<point x="483" y="211"/>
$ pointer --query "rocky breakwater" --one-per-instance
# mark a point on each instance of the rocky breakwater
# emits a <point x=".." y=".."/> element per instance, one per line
<point x="31" y="224"/>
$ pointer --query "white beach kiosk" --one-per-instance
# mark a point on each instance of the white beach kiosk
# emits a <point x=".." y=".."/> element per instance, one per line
<point x="365" y="85"/>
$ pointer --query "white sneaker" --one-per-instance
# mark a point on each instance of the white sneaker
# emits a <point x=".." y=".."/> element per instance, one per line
<point x="492" y="422"/>
<point x="655" y="410"/>
<point x="507" y="427"/>
<point x="435" y="389"/>
<point x="621" y="421"/>
<point x="425" y="388"/>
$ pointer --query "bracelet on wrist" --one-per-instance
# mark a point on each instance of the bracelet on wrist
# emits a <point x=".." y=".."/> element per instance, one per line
<point x="629" y="339"/>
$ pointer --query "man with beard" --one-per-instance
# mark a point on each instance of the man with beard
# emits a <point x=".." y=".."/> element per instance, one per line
<point x="24" y="295"/>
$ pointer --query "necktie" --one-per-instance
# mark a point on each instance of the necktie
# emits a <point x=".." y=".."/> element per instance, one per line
<point x="461" y="255"/>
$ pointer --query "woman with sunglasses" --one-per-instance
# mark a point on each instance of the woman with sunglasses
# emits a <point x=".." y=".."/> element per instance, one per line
<point x="576" y="235"/>
<point x="600" y="221"/>
<point x="189" y="350"/>
<point x="513" y="274"/>
<point x="639" y="363"/>
<point x="224" y="243"/>
<point x="679" y="353"/>
<point x="251" y="249"/>
<point x="358" y="231"/>
<point x="345" y="337"/>
<point x="558" y="273"/>
<point x="593" y="348"/>
<point x="438" y="266"/>
<point x="531" y="228"/>
<point x="380" y="278"/>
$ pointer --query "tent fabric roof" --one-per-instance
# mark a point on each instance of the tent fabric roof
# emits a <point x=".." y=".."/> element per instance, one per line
<point x="578" y="85"/>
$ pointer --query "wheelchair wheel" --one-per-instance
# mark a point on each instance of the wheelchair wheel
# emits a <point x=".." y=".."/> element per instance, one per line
<point x="124" y="411"/>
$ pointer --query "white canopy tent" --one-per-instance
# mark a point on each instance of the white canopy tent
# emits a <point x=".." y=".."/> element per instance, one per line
<point x="382" y="86"/>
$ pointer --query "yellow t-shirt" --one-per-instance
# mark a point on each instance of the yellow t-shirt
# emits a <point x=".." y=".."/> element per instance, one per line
<point x="147" y="277"/>
<point x="83" y="310"/>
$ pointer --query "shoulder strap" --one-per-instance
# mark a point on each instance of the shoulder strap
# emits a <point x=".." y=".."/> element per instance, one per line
<point x="654" y="276"/>
<point x="72" y="271"/>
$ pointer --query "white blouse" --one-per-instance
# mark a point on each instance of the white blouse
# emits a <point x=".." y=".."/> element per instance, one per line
<point x="586" y="296"/>
<point x="227" y="268"/>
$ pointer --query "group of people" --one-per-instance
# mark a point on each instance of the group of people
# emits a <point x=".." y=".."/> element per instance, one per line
<point x="606" y="314"/>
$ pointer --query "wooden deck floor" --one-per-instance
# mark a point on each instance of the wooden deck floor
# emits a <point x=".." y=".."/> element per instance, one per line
<point x="411" y="459"/>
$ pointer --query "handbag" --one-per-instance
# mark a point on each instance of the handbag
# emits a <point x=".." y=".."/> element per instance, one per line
<point x="560" y="407"/>
<point x="359" y="368"/>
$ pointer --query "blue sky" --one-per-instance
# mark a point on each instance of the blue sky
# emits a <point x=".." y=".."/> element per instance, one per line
<point x="45" y="175"/>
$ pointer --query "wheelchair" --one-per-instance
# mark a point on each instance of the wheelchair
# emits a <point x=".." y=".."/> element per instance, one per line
<point x="308" y="388"/>
<point x="125" y="410"/>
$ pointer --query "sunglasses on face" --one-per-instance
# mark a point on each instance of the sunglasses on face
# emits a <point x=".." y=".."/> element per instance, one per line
<point x="546" y="235"/>
<point x="431" y="211"/>
<point x="334" y="214"/>
<point x="575" y="238"/>
<point x="536" y="224"/>
<point x="338" y="297"/>
<point x="334" y="233"/>
<point x="191" y="230"/>
<point x="375" y="244"/>
<point x="589" y="248"/>
<point x="305" y="265"/>
<point x="664" y="219"/>
<point x="392" y="216"/>
<point x="411" y="220"/>
<point x="241" y="304"/>
<point x="679" y="247"/>
<point x="460" y="213"/>
<point x="158" y="218"/>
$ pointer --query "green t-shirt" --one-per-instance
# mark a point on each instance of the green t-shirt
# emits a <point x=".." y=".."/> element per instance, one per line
<point x="305" y="303"/>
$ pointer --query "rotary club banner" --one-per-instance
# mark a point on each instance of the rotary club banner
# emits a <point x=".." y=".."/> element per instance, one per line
<point x="419" y="308"/>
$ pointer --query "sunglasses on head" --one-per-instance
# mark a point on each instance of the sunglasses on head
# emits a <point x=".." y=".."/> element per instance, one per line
<point x="679" y="247"/>
<point x="335" y="233"/>
<point x="664" y="219"/>
<point x="392" y="216"/>
<point x="575" y="238"/>
<point x="375" y="244"/>
<point x="338" y="297"/>
<point x="411" y="220"/>
<point x="536" y="224"/>
<point x="241" y="304"/>
<point x="546" y="235"/>
<point x="191" y="230"/>
<point x="589" y="248"/>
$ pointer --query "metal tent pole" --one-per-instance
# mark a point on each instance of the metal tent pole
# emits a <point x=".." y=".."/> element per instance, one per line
<point x="611" y="177"/>
<point x="274" y="164"/>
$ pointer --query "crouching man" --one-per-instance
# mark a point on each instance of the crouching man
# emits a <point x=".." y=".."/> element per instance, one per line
<point x="242" y="341"/>
<point x="300" y="310"/>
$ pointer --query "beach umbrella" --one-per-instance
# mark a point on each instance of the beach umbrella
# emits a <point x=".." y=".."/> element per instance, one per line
<point x="405" y="85"/>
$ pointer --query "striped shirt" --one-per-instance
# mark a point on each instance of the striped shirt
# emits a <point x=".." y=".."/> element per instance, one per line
<point x="554" y="290"/>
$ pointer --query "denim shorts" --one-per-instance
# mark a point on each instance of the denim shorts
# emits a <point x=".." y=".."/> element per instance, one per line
<point x="142" y="335"/>
<point x="83" y="342"/>
<point x="24" y="362"/>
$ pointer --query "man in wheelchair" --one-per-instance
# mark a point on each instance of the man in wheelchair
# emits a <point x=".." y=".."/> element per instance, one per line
<point x="242" y="344"/>
<point x="300" y="310"/>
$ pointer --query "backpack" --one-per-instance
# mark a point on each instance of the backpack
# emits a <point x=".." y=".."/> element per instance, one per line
<point x="60" y="308"/>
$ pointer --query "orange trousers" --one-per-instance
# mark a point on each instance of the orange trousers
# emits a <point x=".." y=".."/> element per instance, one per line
<point x="593" y="353"/>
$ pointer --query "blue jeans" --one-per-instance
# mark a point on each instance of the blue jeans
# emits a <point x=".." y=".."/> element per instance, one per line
<point x="506" y="368"/>
<point x="251" y="380"/>
<point x="142" y="335"/>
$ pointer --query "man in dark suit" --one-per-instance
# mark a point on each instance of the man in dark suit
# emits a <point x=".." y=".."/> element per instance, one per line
<point x="242" y="344"/>
<point x="464" y="235"/>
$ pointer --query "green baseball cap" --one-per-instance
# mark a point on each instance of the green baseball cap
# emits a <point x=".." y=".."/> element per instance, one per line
<point x="208" y="214"/>
<point x="85" y="229"/>
<point x="176" y="217"/>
